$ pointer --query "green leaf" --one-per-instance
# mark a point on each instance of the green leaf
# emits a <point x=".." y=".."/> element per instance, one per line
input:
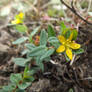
<point x="67" y="31"/>
<point x="25" y="70"/>
<point x="79" y="51"/>
<point x="21" y="28"/>
<point x="19" y="90"/>
<point x="28" y="74"/>
<point x="24" y="85"/>
<point x="39" y="63"/>
<point x="20" y="40"/>
<point x="15" y="78"/>
<point x="25" y="52"/>
<point x="51" y="31"/>
<point x="29" y="79"/>
<point x="63" y="27"/>
<point x="54" y="42"/>
<point x="56" y="45"/>
<point x="21" y="61"/>
<point x="75" y="34"/>
<point x="70" y="90"/>
<point x="37" y="51"/>
<point x="32" y="71"/>
<point x="8" y="88"/>
<point x="30" y="46"/>
<point x="67" y="34"/>
<point x="47" y="59"/>
<point x="33" y="33"/>
<point x="53" y="39"/>
<point x="43" y="38"/>
<point x="47" y="53"/>
<point x="38" y="60"/>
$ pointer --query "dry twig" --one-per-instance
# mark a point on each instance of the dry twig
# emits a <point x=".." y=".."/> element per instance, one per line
<point x="75" y="12"/>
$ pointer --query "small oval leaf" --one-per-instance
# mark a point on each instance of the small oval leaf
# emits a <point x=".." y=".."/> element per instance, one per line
<point x="37" y="51"/>
<point x="43" y="38"/>
<point x="21" y="28"/>
<point x="20" y="40"/>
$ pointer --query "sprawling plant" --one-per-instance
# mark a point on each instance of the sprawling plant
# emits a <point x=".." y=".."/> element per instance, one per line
<point x="39" y="50"/>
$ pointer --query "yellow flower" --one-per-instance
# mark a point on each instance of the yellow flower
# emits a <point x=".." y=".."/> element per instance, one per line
<point x="67" y="46"/>
<point x="21" y="15"/>
<point x="16" y="21"/>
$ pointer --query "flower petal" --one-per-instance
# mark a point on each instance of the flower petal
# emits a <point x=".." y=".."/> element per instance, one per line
<point x="21" y="15"/>
<point x="13" y="22"/>
<point x="60" y="49"/>
<point x="61" y="39"/>
<point x="16" y="21"/>
<point x="69" y="53"/>
<point x="71" y="37"/>
<point x="74" y="45"/>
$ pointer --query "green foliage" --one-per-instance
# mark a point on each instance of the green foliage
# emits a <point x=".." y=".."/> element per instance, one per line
<point x="33" y="33"/>
<point x="30" y="46"/>
<point x="63" y="27"/>
<point x="20" y="82"/>
<point x="54" y="41"/>
<point x="21" y="61"/>
<point x="20" y="40"/>
<point x="79" y="51"/>
<point x="75" y="32"/>
<point x="47" y="53"/>
<point x="8" y="88"/>
<point x="21" y="28"/>
<point x="19" y="90"/>
<point x="24" y="85"/>
<point x="28" y="72"/>
<point x="15" y="78"/>
<point x="25" y="51"/>
<point x="43" y="38"/>
<point x="70" y="90"/>
<point x="41" y="53"/>
<point x="39" y="63"/>
<point x="66" y="32"/>
<point x="37" y="51"/>
<point x="51" y="31"/>
<point x="36" y="54"/>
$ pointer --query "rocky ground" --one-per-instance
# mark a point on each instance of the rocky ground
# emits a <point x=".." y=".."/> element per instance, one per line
<point x="58" y="77"/>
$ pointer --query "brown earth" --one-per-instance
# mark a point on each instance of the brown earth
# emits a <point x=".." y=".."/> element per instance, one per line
<point x="59" y="77"/>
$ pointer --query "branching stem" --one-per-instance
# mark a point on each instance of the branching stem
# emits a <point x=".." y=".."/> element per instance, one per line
<point x="75" y="12"/>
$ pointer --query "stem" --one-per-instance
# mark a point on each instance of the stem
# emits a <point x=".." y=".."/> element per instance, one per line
<point x="74" y="11"/>
<point x="72" y="60"/>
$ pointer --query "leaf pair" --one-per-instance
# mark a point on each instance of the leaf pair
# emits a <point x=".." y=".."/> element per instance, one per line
<point x="66" y="32"/>
<point x="41" y="53"/>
